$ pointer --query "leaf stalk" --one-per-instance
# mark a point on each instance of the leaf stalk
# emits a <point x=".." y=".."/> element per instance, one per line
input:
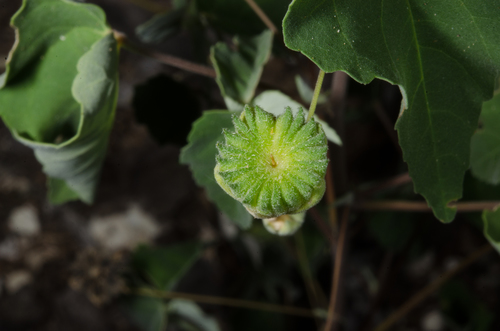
<point x="317" y="90"/>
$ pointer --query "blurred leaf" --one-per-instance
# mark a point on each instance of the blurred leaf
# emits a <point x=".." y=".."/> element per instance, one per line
<point x="485" y="144"/>
<point x="148" y="313"/>
<point x="491" y="220"/>
<point x="164" y="266"/>
<point x="306" y="92"/>
<point x="239" y="71"/>
<point x="191" y="313"/>
<point x="392" y="230"/>
<point x="444" y="57"/>
<point x="237" y="18"/>
<point x="167" y="108"/>
<point x="59" y="92"/>
<point x="161" y="26"/>
<point x="463" y="310"/>
<point x="200" y="153"/>
<point x="274" y="102"/>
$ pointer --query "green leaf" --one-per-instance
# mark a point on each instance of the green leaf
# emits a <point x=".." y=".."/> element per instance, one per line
<point x="485" y="144"/>
<point x="275" y="102"/>
<point x="164" y="266"/>
<point x="190" y="312"/>
<point x="238" y="72"/>
<point x="444" y="55"/>
<point x="491" y="221"/>
<point x="200" y="153"/>
<point x="150" y="314"/>
<point x="59" y="92"/>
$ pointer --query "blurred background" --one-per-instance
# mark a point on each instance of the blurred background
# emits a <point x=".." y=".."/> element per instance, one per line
<point x="79" y="267"/>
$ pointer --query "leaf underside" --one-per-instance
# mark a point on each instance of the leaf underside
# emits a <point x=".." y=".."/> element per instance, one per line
<point x="59" y="92"/>
<point x="444" y="55"/>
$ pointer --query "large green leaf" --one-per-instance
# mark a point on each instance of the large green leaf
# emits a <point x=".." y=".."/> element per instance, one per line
<point x="485" y="144"/>
<point x="444" y="55"/>
<point x="239" y="71"/>
<point x="59" y="91"/>
<point x="164" y="266"/>
<point x="200" y="153"/>
<point x="491" y="221"/>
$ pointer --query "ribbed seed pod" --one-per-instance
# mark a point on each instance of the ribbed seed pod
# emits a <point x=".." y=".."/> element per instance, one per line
<point x="273" y="165"/>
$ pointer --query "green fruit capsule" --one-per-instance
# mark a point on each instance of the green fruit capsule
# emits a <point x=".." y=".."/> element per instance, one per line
<point x="273" y="165"/>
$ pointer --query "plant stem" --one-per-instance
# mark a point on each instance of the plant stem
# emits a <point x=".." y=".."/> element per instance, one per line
<point x="167" y="59"/>
<point x="317" y="90"/>
<point x="415" y="300"/>
<point x="263" y="17"/>
<point x="420" y="206"/>
<point x="225" y="302"/>
<point x="337" y="268"/>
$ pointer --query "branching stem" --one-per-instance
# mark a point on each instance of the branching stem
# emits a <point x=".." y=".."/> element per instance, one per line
<point x="317" y="90"/>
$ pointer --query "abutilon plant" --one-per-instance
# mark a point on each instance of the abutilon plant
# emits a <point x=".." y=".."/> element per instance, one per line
<point x="273" y="165"/>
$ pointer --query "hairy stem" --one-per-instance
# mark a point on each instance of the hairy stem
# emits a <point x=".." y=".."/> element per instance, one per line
<point x="317" y="90"/>
<point x="415" y="300"/>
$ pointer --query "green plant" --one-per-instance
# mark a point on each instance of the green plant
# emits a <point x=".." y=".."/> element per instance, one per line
<point x="59" y="91"/>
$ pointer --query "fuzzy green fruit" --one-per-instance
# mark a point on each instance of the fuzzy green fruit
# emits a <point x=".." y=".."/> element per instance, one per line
<point x="273" y="165"/>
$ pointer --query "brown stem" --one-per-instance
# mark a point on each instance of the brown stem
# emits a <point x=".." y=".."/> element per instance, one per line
<point x="263" y="17"/>
<point x="168" y="59"/>
<point x="225" y="302"/>
<point x="420" y="206"/>
<point x="415" y="300"/>
<point x="337" y="268"/>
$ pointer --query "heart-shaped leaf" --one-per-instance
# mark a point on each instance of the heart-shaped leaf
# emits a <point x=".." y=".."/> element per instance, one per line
<point x="59" y="91"/>
<point x="444" y="55"/>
